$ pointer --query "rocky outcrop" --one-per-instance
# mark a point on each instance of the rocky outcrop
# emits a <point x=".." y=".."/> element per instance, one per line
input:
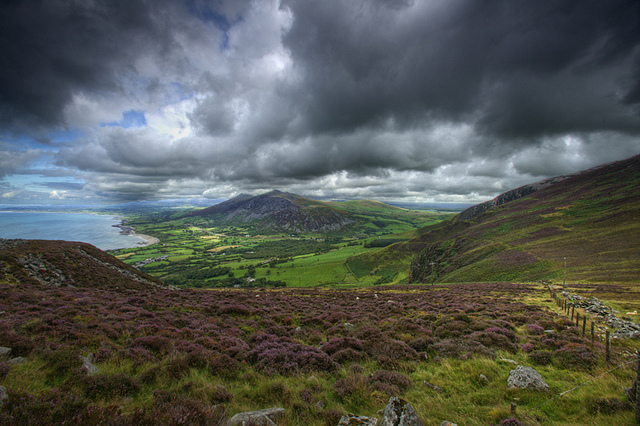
<point x="258" y="418"/>
<point x="507" y="197"/>
<point x="399" y="412"/>
<point x="526" y="378"/>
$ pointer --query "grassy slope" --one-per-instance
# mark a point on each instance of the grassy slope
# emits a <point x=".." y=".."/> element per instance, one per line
<point x="590" y="218"/>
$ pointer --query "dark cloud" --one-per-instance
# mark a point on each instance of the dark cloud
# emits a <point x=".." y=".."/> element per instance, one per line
<point x="443" y="99"/>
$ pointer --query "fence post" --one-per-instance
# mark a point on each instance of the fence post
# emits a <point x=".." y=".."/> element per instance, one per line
<point x="577" y="319"/>
<point x="573" y="309"/>
<point x="584" y="325"/>
<point x="607" y="357"/>
<point x="637" y="389"/>
<point x="593" y="331"/>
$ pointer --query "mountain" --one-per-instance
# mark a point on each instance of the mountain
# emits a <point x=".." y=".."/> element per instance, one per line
<point x="277" y="210"/>
<point x="65" y="263"/>
<point x="590" y="219"/>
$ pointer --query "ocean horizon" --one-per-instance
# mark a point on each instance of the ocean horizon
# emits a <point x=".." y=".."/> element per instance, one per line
<point x="95" y="229"/>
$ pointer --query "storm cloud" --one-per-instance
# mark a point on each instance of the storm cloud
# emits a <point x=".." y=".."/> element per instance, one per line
<point x="433" y="100"/>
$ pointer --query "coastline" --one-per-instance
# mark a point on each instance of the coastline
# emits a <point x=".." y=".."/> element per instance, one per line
<point x="130" y="230"/>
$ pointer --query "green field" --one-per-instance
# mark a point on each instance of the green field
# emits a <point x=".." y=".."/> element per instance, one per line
<point x="190" y="254"/>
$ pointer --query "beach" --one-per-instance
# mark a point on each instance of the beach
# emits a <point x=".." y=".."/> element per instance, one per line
<point x="130" y="230"/>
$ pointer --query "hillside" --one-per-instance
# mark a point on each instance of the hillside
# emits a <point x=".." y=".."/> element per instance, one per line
<point x="69" y="264"/>
<point x="590" y="218"/>
<point x="277" y="210"/>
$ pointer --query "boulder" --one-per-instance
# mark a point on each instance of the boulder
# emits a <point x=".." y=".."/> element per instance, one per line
<point x="400" y="413"/>
<point x="353" y="420"/>
<point x="87" y="365"/>
<point x="3" y="395"/>
<point x="18" y="360"/>
<point x="4" y="351"/>
<point x="526" y="378"/>
<point x="448" y="423"/>
<point x="257" y="418"/>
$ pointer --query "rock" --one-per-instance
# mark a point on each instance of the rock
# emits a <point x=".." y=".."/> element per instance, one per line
<point x="484" y="378"/>
<point x="526" y="378"/>
<point x="4" y="351"/>
<point x="400" y="413"/>
<point x="3" y="395"/>
<point x="434" y="387"/>
<point x="258" y="418"/>
<point x="448" y="423"/>
<point x="353" y="420"/>
<point x="87" y="365"/>
<point x="510" y="361"/>
<point x="17" y="360"/>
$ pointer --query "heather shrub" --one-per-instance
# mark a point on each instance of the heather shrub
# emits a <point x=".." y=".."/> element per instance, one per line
<point x="288" y="357"/>
<point x="331" y="417"/>
<point x="607" y="406"/>
<point x="177" y="368"/>
<point x="345" y="356"/>
<point x="535" y="329"/>
<point x="422" y="344"/>
<point x="149" y="376"/>
<point x="394" y="349"/>
<point x="20" y="345"/>
<point x="541" y="357"/>
<point x="54" y="406"/>
<point x="107" y="386"/>
<point x="389" y="382"/>
<point x="492" y="339"/>
<point x="4" y="370"/>
<point x="223" y="365"/>
<point x="62" y="360"/>
<point x="220" y="395"/>
<point x="455" y="328"/>
<point x="340" y="343"/>
<point x="355" y="384"/>
<point x="172" y="409"/>
<point x="157" y="344"/>
<point x="576" y="356"/>
<point x="511" y="421"/>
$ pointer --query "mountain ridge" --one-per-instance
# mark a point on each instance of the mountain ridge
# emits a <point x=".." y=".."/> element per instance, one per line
<point x="277" y="210"/>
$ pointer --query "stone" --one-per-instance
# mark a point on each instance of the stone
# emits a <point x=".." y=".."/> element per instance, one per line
<point x="17" y="360"/>
<point x="4" y="351"/>
<point x="353" y="420"/>
<point x="257" y="418"/>
<point x="526" y="378"/>
<point x="87" y="365"/>
<point x="483" y="378"/>
<point x="3" y="395"/>
<point x="448" y="423"/>
<point x="510" y="361"/>
<point x="400" y="413"/>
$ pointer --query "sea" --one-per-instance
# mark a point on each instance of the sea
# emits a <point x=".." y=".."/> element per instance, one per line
<point x="95" y="229"/>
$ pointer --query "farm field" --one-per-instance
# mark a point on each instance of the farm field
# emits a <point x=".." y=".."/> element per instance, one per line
<point x="190" y="254"/>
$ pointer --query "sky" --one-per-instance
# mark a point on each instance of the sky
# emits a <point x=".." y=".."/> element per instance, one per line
<point x="392" y="100"/>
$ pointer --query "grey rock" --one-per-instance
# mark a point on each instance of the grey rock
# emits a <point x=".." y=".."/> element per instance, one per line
<point x="400" y="413"/>
<point x="4" y="351"/>
<point x="87" y="365"/>
<point x="353" y="420"/>
<point x="3" y="395"/>
<point x="258" y="418"/>
<point x="448" y="423"/>
<point x="17" y="360"/>
<point x="526" y="378"/>
<point x="483" y="378"/>
<point x="510" y="361"/>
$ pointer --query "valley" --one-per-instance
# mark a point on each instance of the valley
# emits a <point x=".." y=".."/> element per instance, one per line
<point x="195" y="251"/>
